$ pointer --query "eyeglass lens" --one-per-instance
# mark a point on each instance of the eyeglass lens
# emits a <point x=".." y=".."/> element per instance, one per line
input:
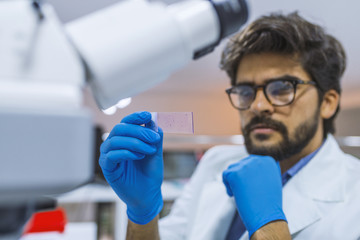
<point x="242" y="96"/>
<point x="277" y="92"/>
<point x="280" y="92"/>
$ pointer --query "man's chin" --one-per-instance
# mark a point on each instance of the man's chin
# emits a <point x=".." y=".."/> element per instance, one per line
<point x="259" y="137"/>
<point x="264" y="142"/>
<point x="266" y="138"/>
<point x="265" y="148"/>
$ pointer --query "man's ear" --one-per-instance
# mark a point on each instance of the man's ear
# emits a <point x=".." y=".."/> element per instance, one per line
<point x="329" y="104"/>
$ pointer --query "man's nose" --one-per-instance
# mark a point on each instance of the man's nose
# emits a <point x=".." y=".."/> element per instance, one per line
<point x="261" y="105"/>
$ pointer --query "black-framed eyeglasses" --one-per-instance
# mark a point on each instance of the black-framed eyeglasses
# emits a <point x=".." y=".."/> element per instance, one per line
<point x="279" y="92"/>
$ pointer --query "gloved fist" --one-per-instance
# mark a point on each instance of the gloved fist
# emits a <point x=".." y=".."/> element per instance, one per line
<point x="255" y="182"/>
<point x="132" y="163"/>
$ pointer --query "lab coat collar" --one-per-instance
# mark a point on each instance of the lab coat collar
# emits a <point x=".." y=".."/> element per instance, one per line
<point x="321" y="180"/>
<point x="323" y="177"/>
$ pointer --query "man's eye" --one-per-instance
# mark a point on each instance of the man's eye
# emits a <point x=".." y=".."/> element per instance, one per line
<point x="280" y="88"/>
<point x="245" y="93"/>
<point x="281" y="91"/>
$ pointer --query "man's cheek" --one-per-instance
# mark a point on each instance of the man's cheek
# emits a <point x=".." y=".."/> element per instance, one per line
<point x="243" y="122"/>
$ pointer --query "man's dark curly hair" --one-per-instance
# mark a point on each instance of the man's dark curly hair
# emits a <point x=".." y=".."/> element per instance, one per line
<point x="321" y="55"/>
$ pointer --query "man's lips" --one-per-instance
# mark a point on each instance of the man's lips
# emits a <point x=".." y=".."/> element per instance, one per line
<point x="261" y="128"/>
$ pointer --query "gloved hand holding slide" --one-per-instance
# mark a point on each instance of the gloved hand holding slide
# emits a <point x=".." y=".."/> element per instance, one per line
<point x="132" y="163"/>
<point x="132" y="160"/>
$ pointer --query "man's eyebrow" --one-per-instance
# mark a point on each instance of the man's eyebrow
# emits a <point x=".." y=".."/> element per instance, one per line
<point x="284" y="77"/>
<point x="245" y="82"/>
<point x="280" y="78"/>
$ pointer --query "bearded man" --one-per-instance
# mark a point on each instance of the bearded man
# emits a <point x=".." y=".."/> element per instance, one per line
<point x="291" y="181"/>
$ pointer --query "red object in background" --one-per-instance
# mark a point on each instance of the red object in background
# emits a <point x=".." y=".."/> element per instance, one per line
<point x="48" y="221"/>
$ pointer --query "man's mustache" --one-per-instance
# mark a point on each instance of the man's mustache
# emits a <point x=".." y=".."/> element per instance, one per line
<point x="266" y="123"/>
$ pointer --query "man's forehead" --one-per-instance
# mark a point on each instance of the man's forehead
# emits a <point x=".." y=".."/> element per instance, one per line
<point x="259" y="68"/>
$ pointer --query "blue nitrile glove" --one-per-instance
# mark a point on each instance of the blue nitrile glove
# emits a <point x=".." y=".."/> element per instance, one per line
<point x="255" y="182"/>
<point x="132" y="163"/>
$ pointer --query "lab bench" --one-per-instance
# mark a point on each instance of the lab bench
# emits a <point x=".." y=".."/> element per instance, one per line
<point x="98" y="203"/>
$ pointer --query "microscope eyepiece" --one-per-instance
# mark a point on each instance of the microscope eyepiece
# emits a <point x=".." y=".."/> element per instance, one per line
<point x="232" y="14"/>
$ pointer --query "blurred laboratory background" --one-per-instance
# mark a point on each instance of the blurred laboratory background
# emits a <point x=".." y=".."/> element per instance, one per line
<point x="200" y="88"/>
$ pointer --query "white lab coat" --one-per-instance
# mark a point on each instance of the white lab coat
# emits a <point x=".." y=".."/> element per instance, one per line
<point x="322" y="201"/>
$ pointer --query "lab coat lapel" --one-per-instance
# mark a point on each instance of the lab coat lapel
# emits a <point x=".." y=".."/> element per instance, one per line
<point x="300" y="210"/>
<point x="321" y="180"/>
<point x="214" y="215"/>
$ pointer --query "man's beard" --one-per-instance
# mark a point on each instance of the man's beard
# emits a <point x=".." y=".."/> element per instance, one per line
<point x="286" y="148"/>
